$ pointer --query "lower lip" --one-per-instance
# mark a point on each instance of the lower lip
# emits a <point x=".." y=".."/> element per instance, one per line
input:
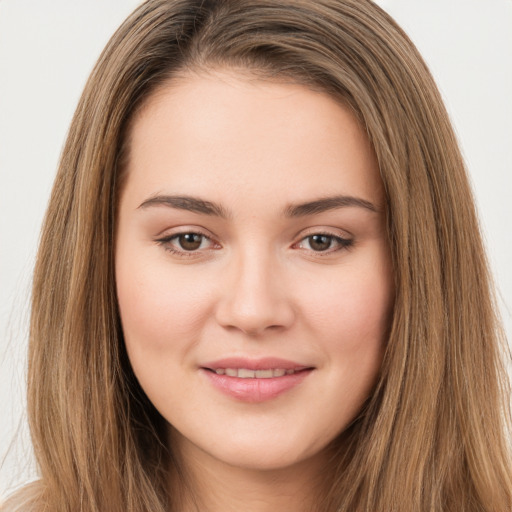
<point x="255" y="390"/>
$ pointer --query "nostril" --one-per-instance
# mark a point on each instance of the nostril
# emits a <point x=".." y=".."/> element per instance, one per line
<point x="254" y="304"/>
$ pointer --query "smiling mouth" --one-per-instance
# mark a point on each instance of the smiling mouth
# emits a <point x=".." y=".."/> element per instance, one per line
<point x="246" y="373"/>
<point x="255" y="385"/>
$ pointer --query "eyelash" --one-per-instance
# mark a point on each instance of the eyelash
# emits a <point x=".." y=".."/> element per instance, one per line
<point x="343" y="243"/>
<point x="165" y="242"/>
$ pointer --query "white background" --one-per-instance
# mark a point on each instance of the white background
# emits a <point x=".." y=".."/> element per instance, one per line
<point x="47" y="50"/>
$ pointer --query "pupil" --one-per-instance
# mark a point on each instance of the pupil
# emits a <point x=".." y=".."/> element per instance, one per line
<point x="320" y="242"/>
<point x="190" y="241"/>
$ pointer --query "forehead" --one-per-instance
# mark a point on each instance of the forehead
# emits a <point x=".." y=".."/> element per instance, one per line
<point x="223" y="133"/>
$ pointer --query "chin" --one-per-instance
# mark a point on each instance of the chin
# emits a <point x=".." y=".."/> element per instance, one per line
<point x="260" y="451"/>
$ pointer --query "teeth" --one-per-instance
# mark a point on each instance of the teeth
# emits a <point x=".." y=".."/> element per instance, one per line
<point x="245" y="373"/>
<point x="264" y="374"/>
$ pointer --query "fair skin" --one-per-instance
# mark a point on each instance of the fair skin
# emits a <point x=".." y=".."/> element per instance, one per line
<point x="251" y="240"/>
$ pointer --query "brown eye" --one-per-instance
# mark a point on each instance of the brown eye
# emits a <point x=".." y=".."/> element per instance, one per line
<point x="320" y="242"/>
<point x="190" y="241"/>
<point x="325" y="243"/>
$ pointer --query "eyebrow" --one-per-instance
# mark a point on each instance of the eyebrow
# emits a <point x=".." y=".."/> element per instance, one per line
<point x="328" y="203"/>
<point x="201" y="206"/>
<point x="189" y="203"/>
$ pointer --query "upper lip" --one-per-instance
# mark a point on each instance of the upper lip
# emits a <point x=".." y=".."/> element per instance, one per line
<point x="265" y="363"/>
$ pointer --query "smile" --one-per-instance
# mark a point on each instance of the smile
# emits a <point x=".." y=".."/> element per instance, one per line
<point x="255" y="381"/>
<point x="246" y="373"/>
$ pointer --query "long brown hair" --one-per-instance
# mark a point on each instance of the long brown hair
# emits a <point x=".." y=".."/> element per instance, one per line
<point x="432" y="437"/>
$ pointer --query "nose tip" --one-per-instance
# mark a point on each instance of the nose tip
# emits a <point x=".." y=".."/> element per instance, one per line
<point x="254" y="314"/>
<point x="255" y="303"/>
<point x="253" y="331"/>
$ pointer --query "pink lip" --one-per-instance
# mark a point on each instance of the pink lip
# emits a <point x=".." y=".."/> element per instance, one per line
<point x="266" y="363"/>
<point x="255" y="390"/>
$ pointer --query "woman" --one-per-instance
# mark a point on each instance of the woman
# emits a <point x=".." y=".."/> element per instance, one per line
<point x="207" y="337"/>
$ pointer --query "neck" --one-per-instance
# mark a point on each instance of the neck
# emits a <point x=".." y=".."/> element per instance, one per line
<point x="205" y="484"/>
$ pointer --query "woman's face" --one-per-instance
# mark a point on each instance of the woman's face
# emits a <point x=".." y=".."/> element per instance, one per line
<point x="252" y="265"/>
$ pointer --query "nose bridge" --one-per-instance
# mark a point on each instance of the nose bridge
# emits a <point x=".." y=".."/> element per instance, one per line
<point x="254" y="298"/>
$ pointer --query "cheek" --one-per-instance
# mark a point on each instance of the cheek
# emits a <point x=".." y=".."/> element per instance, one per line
<point x="162" y="317"/>
<point x="160" y="309"/>
<point x="350" y="318"/>
<point x="355" y="309"/>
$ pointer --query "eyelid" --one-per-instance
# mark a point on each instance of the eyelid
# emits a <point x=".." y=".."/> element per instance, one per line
<point x="183" y="229"/>
<point x="323" y="229"/>
<point x="165" y="240"/>
<point x="344" y="242"/>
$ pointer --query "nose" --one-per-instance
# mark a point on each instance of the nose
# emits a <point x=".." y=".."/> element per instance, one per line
<point x="255" y="298"/>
